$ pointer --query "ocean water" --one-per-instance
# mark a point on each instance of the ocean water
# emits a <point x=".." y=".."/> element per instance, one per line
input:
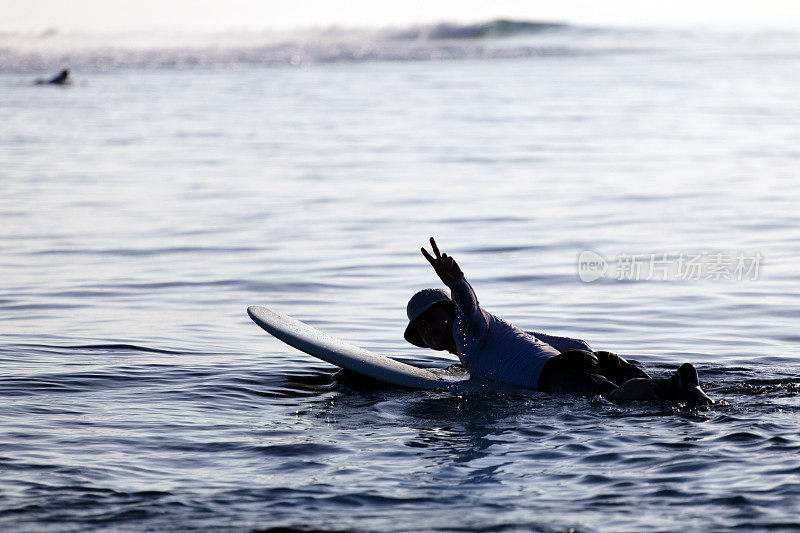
<point x="181" y="179"/>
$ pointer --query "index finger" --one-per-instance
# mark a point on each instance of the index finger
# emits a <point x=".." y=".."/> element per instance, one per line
<point x="428" y="256"/>
<point x="435" y="248"/>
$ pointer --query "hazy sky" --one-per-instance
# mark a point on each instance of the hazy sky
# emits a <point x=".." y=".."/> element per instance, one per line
<point x="223" y="14"/>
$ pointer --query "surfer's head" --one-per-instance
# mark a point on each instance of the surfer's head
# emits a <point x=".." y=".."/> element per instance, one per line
<point x="431" y="314"/>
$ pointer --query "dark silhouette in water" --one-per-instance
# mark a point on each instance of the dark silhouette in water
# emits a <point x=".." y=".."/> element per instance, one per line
<point x="62" y="78"/>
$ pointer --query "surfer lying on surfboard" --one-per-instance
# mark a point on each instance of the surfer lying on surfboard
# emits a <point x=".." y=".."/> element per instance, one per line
<point x="491" y="348"/>
<point x="62" y="78"/>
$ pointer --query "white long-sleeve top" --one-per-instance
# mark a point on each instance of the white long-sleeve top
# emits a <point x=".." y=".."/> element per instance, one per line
<point x="491" y="348"/>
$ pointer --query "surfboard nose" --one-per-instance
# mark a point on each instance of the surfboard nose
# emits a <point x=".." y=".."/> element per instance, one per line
<point x="314" y="342"/>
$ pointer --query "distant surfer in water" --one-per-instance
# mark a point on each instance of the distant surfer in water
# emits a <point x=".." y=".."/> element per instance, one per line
<point x="491" y="348"/>
<point x="62" y="78"/>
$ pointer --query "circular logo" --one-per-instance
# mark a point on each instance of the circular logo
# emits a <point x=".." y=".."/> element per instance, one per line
<point x="591" y="266"/>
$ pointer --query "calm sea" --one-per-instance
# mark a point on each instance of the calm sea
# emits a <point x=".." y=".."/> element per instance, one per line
<point x="182" y="178"/>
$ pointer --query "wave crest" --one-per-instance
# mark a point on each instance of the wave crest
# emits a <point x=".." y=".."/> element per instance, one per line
<point x="53" y="50"/>
<point x="483" y="30"/>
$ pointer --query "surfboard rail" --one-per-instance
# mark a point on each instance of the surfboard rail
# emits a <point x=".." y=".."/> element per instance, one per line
<point x="345" y="355"/>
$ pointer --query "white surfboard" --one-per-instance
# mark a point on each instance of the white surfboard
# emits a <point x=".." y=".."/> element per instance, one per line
<point x="340" y="353"/>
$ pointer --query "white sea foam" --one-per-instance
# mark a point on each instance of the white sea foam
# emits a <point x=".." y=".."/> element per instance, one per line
<point x="53" y="49"/>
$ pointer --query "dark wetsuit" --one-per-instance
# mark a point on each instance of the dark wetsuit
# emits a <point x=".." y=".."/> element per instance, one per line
<point x="584" y="372"/>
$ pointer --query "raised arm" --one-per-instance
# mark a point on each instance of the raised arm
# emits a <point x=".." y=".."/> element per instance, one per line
<point x="462" y="293"/>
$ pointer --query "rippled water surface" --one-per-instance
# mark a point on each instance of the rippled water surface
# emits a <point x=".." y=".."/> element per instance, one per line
<point x="144" y="209"/>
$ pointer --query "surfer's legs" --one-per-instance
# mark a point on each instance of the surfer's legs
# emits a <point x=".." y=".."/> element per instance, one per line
<point x="576" y="372"/>
<point x="584" y="373"/>
<point x="636" y="389"/>
<point x="618" y="370"/>
<point x="683" y="386"/>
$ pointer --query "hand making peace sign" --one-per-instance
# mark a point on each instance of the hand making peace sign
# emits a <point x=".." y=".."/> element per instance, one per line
<point x="445" y="266"/>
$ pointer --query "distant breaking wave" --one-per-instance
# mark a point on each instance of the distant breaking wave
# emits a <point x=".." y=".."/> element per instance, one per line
<point x="53" y="49"/>
<point x="494" y="28"/>
<point x="497" y="39"/>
